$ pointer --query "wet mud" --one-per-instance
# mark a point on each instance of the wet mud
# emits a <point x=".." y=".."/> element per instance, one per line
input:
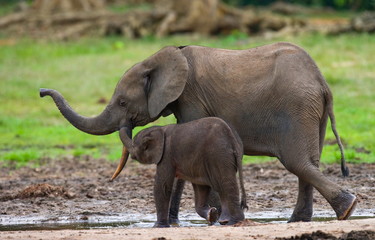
<point x="78" y="191"/>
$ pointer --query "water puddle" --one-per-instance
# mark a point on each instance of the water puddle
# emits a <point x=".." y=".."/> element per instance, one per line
<point x="100" y="221"/>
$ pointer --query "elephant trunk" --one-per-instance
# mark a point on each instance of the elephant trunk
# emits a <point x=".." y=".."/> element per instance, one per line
<point x="125" y="136"/>
<point x="99" y="125"/>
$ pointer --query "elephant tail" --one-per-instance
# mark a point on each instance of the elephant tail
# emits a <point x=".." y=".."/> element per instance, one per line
<point x="329" y="105"/>
<point x="238" y="156"/>
<point x="243" y="192"/>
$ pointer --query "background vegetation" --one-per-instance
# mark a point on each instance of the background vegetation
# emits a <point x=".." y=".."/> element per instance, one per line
<point x="86" y="72"/>
<point x="355" y="5"/>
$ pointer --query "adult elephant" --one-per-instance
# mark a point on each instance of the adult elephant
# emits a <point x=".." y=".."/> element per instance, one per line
<point x="274" y="96"/>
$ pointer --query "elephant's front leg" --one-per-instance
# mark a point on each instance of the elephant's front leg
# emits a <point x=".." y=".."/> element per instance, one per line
<point x="304" y="207"/>
<point x="162" y="193"/>
<point x="175" y="201"/>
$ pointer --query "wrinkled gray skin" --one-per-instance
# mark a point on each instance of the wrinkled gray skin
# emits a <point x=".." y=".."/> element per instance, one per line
<point x="274" y="96"/>
<point x="205" y="152"/>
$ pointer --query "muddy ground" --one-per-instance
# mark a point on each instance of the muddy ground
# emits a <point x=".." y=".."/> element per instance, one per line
<point x="74" y="190"/>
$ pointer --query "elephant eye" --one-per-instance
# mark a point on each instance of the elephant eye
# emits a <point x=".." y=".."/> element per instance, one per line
<point x="122" y="103"/>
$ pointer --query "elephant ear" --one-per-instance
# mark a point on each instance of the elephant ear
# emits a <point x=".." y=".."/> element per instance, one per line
<point x="153" y="146"/>
<point x="168" y="72"/>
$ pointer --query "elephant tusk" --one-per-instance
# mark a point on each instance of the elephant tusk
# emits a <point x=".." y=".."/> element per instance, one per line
<point x="123" y="160"/>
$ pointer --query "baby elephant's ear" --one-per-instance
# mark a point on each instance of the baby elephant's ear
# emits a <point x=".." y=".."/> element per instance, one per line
<point x="154" y="146"/>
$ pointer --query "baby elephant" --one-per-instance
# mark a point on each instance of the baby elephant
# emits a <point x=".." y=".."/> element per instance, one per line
<point x="206" y="152"/>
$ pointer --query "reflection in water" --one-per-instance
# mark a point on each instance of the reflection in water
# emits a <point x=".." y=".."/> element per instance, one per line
<point x="12" y="223"/>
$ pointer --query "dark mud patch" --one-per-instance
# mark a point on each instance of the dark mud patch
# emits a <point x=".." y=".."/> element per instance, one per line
<point x="320" y="235"/>
<point x="43" y="190"/>
<point x="359" y="235"/>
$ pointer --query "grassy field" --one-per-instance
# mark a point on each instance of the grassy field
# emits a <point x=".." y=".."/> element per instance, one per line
<point x="87" y="71"/>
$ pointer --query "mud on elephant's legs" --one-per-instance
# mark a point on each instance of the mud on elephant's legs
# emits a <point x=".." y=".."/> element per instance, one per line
<point x="304" y="208"/>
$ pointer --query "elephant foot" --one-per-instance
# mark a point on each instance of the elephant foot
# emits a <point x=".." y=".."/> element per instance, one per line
<point x="161" y="225"/>
<point x="223" y="222"/>
<point x="301" y="216"/>
<point x="345" y="204"/>
<point x="174" y="221"/>
<point x="230" y="220"/>
<point x="295" y="218"/>
<point x="224" y="219"/>
<point x="213" y="215"/>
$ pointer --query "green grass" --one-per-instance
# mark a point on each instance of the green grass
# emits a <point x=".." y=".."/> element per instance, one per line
<point x="87" y="70"/>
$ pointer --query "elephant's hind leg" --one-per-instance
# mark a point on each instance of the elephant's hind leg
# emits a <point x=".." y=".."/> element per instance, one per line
<point x="300" y="154"/>
<point x="201" y="193"/>
<point x="300" y="150"/>
<point x="342" y="202"/>
<point x="304" y="208"/>
<point x="232" y="211"/>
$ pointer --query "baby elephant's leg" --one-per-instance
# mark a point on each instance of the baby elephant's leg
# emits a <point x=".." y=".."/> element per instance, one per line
<point x="162" y="193"/>
<point x="201" y="192"/>
<point x="231" y="212"/>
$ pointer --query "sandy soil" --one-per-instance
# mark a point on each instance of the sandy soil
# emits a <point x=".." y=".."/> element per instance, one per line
<point x="78" y="189"/>
<point x="333" y="230"/>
